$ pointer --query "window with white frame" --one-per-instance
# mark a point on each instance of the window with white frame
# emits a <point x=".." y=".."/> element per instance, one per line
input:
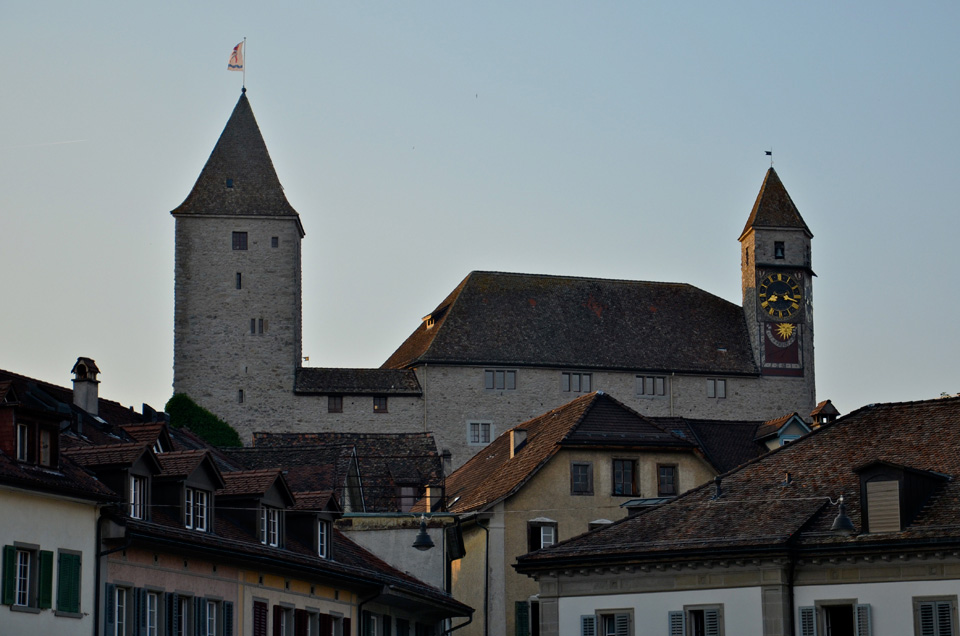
<point x="183" y="622"/>
<point x="27" y="576"/>
<point x="22" y="579"/>
<point x="935" y="616"/>
<point x="541" y="533"/>
<point x="576" y="382"/>
<point x="23" y="442"/>
<point x="697" y="620"/>
<point x="835" y="617"/>
<point x="211" y="610"/>
<point x="137" y="490"/>
<point x="323" y="539"/>
<point x="650" y="386"/>
<point x="500" y="379"/>
<point x="121" y="606"/>
<point x="153" y="613"/>
<point x="196" y="509"/>
<point x="479" y="432"/>
<point x="716" y="388"/>
<point x="269" y="526"/>
<point x="609" y="623"/>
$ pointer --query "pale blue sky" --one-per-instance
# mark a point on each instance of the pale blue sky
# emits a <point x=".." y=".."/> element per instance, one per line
<point x="422" y="140"/>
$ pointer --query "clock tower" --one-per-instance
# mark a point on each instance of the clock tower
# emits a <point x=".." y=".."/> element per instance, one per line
<point x="777" y="283"/>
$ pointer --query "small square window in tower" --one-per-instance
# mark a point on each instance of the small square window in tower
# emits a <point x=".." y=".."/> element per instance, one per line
<point x="274" y="241"/>
<point x="380" y="404"/>
<point x="239" y="240"/>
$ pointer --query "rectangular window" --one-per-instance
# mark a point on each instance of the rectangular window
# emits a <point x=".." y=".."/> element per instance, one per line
<point x="261" y="325"/>
<point x="623" y="477"/>
<point x="274" y="241"/>
<point x="666" y="480"/>
<point x="137" y="488"/>
<point x="500" y="379"/>
<point x="120" y="611"/>
<point x="68" y="583"/>
<point x="716" y="388"/>
<point x="611" y="623"/>
<point x="210" y="622"/>
<point x="195" y="509"/>
<point x="23" y="442"/>
<point x="380" y="404"/>
<point x="323" y="539"/>
<point x="269" y="526"/>
<point x="576" y="382"/>
<point x="45" y="445"/>
<point x="581" y="478"/>
<point x="153" y="615"/>
<point x="479" y="432"/>
<point x="335" y="404"/>
<point x="240" y="396"/>
<point x="408" y="497"/>
<point x="935" y="616"/>
<point x="253" y="326"/>
<point x="239" y="240"/>
<point x="541" y="533"/>
<point x="22" y="578"/>
<point x="239" y="281"/>
<point x="183" y="616"/>
<point x="651" y="385"/>
<point x="698" y="620"/>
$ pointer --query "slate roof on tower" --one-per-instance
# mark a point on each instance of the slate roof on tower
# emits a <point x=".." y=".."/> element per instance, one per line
<point x="495" y="318"/>
<point x="774" y="208"/>
<point x="239" y="178"/>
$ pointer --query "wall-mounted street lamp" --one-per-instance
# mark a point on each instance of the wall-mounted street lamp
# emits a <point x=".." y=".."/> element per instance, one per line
<point x="423" y="541"/>
<point x="842" y="524"/>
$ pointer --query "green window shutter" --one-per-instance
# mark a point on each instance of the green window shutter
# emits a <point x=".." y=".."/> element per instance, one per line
<point x="521" y="611"/>
<point x="9" y="569"/>
<point x="678" y="625"/>
<point x="808" y="621"/>
<point x="109" y="606"/>
<point x="45" y="590"/>
<point x="863" y="619"/>
<point x="588" y="625"/>
<point x="68" y="583"/>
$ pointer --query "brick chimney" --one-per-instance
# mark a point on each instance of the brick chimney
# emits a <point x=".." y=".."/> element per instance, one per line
<point x="85" y="389"/>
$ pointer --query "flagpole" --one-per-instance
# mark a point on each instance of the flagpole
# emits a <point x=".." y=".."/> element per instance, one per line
<point x="244" y="64"/>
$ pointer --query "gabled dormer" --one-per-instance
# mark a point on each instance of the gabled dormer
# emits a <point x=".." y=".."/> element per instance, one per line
<point x="154" y="434"/>
<point x="891" y="496"/>
<point x="28" y="435"/>
<point x="185" y="489"/>
<point x="310" y="522"/>
<point x="126" y="469"/>
<point x="256" y="502"/>
<point x="781" y="431"/>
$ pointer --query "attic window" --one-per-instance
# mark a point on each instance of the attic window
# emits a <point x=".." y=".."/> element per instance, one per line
<point x="229" y="183"/>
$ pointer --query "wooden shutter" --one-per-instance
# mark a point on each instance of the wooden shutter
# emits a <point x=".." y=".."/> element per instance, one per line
<point x="228" y="618"/>
<point x="521" y="613"/>
<point x="588" y="625"/>
<point x="109" y="606"/>
<point x="711" y="622"/>
<point x="199" y="626"/>
<point x="346" y="627"/>
<point x="172" y="601"/>
<point x="863" y="619"/>
<point x="808" y="621"/>
<point x="935" y="618"/>
<point x="9" y="570"/>
<point x="277" y="621"/>
<point x="325" y="623"/>
<point x="45" y="590"/>
<point x="68" y="583"/>
<point x="300" y="622"/>
<point x="260" y="619"/>
<point x="139" y="611"/>
<point x="678" y="624"/>
<point x="944" y="612"/>
<point x="621" y="623"/>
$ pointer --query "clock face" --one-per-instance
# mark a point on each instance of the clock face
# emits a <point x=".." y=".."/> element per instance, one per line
<point x="780" y="296"/>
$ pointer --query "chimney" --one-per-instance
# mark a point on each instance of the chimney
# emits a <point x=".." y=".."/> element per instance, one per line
<point x="85" y="390"/>
<point x="518" y="437"/>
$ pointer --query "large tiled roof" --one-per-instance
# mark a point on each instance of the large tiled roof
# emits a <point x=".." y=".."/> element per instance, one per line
<point x="239" y="178"/>
<point x="386" y="460"/>
<point x="181" y="464"/>
<point x="596" y="418"/>
<point x="774" y="208"/>
<point x="495" y="318"/>
<point x="357" y="381"/>
<point x="68" y="479"/>
<point x="761" y="510"/>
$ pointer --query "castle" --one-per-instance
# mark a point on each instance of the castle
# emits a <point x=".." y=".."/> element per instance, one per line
<point x="500" y="349"/>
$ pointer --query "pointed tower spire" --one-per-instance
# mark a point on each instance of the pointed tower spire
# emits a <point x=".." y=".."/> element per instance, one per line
<point x="774" y="208"/>
<point x="239" y="178"/>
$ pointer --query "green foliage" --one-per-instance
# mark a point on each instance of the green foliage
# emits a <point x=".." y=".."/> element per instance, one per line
<point x="184" y="412"/>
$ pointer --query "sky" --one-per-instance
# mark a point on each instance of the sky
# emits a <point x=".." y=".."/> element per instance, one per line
<point x="422" y="140"/>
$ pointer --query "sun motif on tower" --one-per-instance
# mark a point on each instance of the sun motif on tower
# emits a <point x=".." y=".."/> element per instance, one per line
<point x="785" y="330"/>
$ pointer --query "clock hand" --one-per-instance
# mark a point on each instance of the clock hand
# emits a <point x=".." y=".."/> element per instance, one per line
<point x="773" y="298"/>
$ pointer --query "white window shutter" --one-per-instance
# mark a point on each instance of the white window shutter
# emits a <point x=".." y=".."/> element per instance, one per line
<point x="808" y="621"/>
<point x="588" y="625"/>
<point x="678" y="625"/>
<point x="711" y="622"/>
<point x="863" y="619"/>
<point x="622" y="624"/>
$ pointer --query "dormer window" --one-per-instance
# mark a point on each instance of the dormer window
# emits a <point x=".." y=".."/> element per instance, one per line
<point x="269" y="526"/>
<point x="196" y="509"/>
<point x="23" y="442"/>
<point x="137" y="491"/>
<point x="46" y="455"/>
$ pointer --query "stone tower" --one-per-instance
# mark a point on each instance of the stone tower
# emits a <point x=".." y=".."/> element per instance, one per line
<point x="237" y="314"/>
<point x="777" y="283"/>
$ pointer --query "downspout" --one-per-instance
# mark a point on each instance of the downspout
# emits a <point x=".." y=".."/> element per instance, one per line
<point x="486" y="576"/>
<point x="791" y="573"/>
<point x="455" y="628"/>
<point x="673" y="377"/>
<point x="425" y="426"/>
<point x="360" y="609"/>
<point x="97" y="570"/>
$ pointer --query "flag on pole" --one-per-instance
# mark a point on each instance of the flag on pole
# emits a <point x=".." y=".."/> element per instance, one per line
<point x="236" y="59"/>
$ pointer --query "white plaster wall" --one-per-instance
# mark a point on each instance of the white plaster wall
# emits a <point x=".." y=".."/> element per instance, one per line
<point x="742" y="609"/>
<point x="891" y="604"/>
<point x="395" y="546"/>
<point x="52" y="524"/>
